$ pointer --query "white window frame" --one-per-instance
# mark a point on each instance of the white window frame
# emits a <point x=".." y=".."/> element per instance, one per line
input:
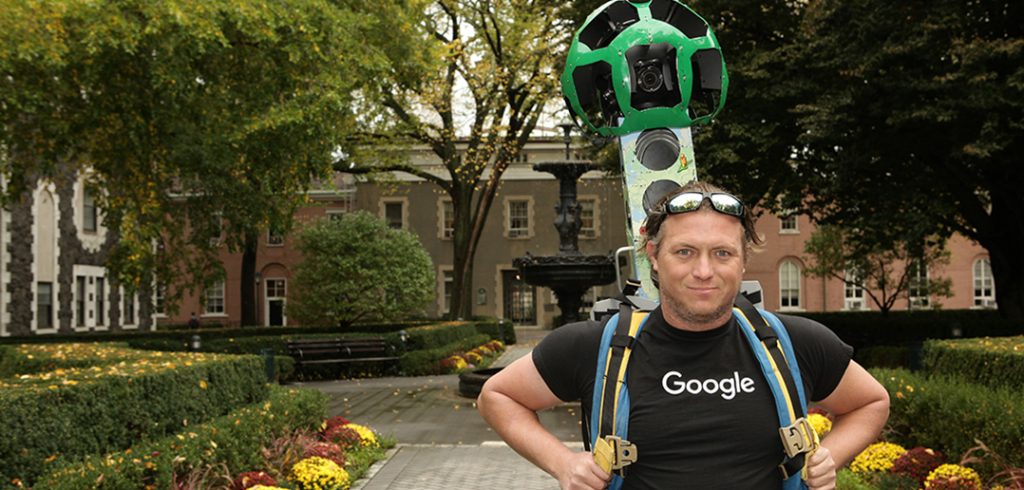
<point x="214" y="299"/>
<point x="89" y="211"/>
<point x="445" y="288"/>
<point x="336" y="214"/>
<point x="982" y="280"/>
<point x="789" y="224"/>
<point x="283" y="296"/>
<point x="403" y="201"/>
<point x="518" y="233"/>
<point x="594" y="231"/>
<point x="914" y="282"/>
<point x="274" y="239"/>
<point x="215" y="240"/>
<point x="787" y="269"/>
<point x="126" y="300"/>
<point x="39" y="310"/>
<point x="853" y="295"/>
<point x="445" y="215"/>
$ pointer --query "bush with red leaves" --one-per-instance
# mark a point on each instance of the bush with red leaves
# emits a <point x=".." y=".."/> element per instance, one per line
<point x="327" y="450"/>
<point x="344" y="437"/>
<point x="336" y="421"/>
<point x="917" y="463"/>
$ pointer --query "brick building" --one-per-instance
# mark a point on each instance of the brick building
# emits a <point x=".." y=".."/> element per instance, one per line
<point x="54" y="250"/>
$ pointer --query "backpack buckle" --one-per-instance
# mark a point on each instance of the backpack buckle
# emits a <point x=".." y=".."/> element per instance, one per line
<point x="613" y="453"/>
<point x="798" y="438"/>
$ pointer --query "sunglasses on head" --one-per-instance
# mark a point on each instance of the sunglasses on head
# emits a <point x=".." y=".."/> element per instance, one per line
<point x="691" y="201"/>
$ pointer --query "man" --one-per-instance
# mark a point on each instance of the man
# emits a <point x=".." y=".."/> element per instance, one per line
<point x="698" y="241"/>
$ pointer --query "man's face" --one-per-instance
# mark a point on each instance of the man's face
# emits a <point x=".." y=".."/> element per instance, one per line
<point x="699" y="266"/>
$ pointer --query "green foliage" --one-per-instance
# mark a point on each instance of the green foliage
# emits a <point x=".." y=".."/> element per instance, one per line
<point x="234" y="439"/>
<point x="908" y="120"/>
<point x="498" y="329"/>
<point x="428" y="361"/>
<point x="881" y="269"/>
<point x="949" y="413"/>
<point x="182" y="111"/>
<point x="848" y="480"/>
<point x="358" y="268"/>
<point x="63" y="415"/>
<point x="440" y="334"/>
<point x="993" y="362"/>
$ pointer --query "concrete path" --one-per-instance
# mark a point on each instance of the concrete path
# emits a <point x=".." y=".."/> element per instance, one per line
<point x="442" y="440"/>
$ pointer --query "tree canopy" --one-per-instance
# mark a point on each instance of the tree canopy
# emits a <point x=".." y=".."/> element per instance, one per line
<point x="357" y="268"/>
<point x="221" y="110"/>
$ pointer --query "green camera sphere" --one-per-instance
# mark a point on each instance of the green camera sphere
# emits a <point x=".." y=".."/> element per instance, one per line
<point x="641" y="65"/>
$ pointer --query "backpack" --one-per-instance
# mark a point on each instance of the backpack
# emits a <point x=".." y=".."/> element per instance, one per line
<point x="610" y="405"/>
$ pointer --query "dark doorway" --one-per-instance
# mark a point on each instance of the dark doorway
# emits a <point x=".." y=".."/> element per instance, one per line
<point x="520" y="299"/>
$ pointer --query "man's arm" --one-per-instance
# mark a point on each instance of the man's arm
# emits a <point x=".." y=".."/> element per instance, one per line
<point x="860" y="405"/>
<point x="509" y="402"/>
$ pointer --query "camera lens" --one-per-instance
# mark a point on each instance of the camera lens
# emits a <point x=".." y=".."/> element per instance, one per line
<point x="648" y="76"/>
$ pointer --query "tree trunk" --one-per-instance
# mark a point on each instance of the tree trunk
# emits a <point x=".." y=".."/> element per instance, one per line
<point x="462" y="258"/>
<point x="1008" y="273"/>
<point x="248" y="282"/>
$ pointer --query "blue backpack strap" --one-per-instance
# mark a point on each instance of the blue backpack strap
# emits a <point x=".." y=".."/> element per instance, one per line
<point x="610" y="413"/>
<point x="773" y="349"/>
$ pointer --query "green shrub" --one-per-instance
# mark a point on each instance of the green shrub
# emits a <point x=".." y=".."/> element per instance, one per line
<point x="866" y="328"/>
<point x="885" y="356"/>
<point x="428" y="361"/>
<point x="64" y="415"/>
<point x="234" y="439"/>
<point x="948" y="413"/>
<point x="357" y="268"/>
<point x="439" y="334"/>
<point x="994" y="362"/>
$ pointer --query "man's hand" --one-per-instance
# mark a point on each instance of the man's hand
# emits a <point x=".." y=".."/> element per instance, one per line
<point x="821" y="470"/>
<point x="580" y="472"/>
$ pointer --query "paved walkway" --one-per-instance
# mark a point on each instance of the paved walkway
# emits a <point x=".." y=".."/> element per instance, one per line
<point x="442" y="441"/>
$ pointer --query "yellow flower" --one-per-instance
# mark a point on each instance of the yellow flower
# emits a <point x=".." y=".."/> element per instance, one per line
<point x="366" y="436"/>
<point x="877" y="457"/>
<point x="822" y="425"/>
<point x="203" y="384"/>
<point x="962" y="476"/>
<point x="316" y="473"/>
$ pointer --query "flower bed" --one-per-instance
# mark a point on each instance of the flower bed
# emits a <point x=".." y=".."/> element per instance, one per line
<point x="477" y="357"/>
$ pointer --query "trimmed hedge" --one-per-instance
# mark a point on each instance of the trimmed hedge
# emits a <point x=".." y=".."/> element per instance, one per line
<point x="498" y="329"/>
<point x="867" y="328"/>
<point x="948" y="413"/>
<point x="994" y="362"/>
<point x="234" y="439"/>
<point x="70" y="413"/>
<point x="428" y="361"/>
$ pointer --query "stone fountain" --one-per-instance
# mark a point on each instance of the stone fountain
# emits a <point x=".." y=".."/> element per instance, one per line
<point x="569" y="273"/>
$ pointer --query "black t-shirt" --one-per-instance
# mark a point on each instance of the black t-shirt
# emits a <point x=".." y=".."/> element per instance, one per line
<point x="701" y="413"/>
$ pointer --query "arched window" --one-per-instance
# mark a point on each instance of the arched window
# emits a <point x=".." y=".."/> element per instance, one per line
<point x="984" y="286"/>
<point x="789" y="285"/>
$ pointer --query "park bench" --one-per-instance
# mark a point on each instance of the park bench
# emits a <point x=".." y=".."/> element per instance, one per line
<point x="339" y="351"/>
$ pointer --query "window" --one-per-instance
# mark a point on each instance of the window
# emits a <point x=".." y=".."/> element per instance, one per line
<point x="158" y="300"/>
<point x="853" y="294"/>
<point x="276" y="288"/>
<point x="275" y="238"/>
<point x="447" y="219"/>
<point x="44" y="305"/>
<point x="394" y="214"/>
<point x="787" y="224"/>
<point x="80" y="301"/>
<point x="218" y="228"/>
<point x="128" y="309"/>
<point x="588" y="228"/>
<point x="917" y="286"/>
<point x="88" y="211"/>
<point x="336" y="214"/>
<point x="214" y="300"/>
<point x="984" y="288"/>
<point x="789" y="285"/>
<point x="101" y="294"/>
<point x="518" y="218"/>
<point x="449" y="281"/>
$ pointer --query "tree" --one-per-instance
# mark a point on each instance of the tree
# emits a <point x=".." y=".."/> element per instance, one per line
<point x="912" y="115"/>
<point x="884" y="273"/>
<point x="187" y="113"/>
<point x="501" y="58"/>
<point x="358" y="268"/>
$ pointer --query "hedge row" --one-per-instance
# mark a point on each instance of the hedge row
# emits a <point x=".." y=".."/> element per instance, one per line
<point x="994" y="362"/>
<point x="428" y="361"/>
<point x="868" y="328"/>
<point x="66" y="414"/>
<point x="948" y="413"/>
<point x="234" y="439"/>
<point x="30" y="359"/>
